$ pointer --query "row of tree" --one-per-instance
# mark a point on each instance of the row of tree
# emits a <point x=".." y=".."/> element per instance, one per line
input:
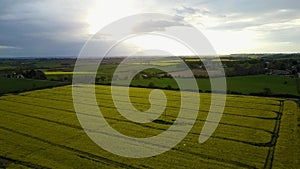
<point x="29" y="74"/>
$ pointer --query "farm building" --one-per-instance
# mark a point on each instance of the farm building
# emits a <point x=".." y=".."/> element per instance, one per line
<point x="19" y="76"/>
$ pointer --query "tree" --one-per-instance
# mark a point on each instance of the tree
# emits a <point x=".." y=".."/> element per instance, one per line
<point x="151" y="85"/>
<point x="169" y="87"/>
<point x="267" y="91"/>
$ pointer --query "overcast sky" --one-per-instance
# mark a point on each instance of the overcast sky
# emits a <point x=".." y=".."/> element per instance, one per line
<point x="60" y="28"/>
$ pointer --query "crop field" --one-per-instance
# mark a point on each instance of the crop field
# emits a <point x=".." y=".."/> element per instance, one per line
<point x="66" y="73"/>
<point x="39" y="129"/>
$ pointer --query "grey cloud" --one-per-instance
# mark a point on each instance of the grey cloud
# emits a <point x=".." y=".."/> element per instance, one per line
<point x="40" y="39"/>
<point x="250" y="6"/>
<point x="200" y="11"/>
<point x="57" y="27"/>
<point x="158" y="25"/>
<point x="233" y="14"/>
<point x="39" y="29"/>
<point x="186" y="10"/>
<point x="285" y="35"/>
<point x="244" y="21"/>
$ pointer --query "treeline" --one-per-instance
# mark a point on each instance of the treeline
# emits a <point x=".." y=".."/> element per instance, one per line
<point x="276" y="64"/>
<point x="29" y="74"/>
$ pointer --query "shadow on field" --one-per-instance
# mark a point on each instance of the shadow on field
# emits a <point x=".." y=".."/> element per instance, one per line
<point x="162" y="122"/>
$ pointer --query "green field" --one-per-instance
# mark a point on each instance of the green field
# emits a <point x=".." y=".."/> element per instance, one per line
<point x="252" y="84"/>
<point x="241" y="84"/>
<point x="19" y="85"/>
<point x="39" y="129"/>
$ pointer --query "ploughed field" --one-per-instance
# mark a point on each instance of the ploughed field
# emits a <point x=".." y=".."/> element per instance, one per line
<point x="40" y="129"/>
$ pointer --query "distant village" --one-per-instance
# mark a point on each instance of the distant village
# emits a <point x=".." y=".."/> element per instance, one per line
<point x="234" y="65"/>
<point x="29" y="74"/>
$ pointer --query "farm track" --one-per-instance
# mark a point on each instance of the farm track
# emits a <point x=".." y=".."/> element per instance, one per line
<point x="93" y="157"/>
<point x="170" y="99"/>
<point x="178" y="97"/>
<point x="5" y="161"/>
<point x="237" y="107"/>
<point x="43" y="119"/>
<point x="203" y="156"/>
<point x="105" y="106"/>
<point x="83" y="154"/>
<point x="106" y="161"/>
<point x="267" y="144"/>
<point x="196" y="134"/>
<point x="235" y="163"/>
<point x="69" y="100"/>
<point x="89" y="155"/>
<point x="144" y="125"/>
<point x="69" y="111"/>
<point x="271" y="152"/>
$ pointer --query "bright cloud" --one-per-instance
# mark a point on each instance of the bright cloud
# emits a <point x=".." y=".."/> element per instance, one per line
<point x="59" y="28"/>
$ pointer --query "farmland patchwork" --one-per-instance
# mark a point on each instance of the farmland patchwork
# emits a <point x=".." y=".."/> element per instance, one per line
<point x="40" y="129"/>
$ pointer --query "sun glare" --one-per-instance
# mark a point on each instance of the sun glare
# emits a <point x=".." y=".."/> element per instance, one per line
<point x="166" y="45"/>
<point x="227" y="42"/>
<point x="104" y="12"/>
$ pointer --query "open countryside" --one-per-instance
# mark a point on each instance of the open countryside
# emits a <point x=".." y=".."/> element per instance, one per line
<point x="131" y="84"/>
<point x="40" y="129"/>
<point x="254" y="132"/>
